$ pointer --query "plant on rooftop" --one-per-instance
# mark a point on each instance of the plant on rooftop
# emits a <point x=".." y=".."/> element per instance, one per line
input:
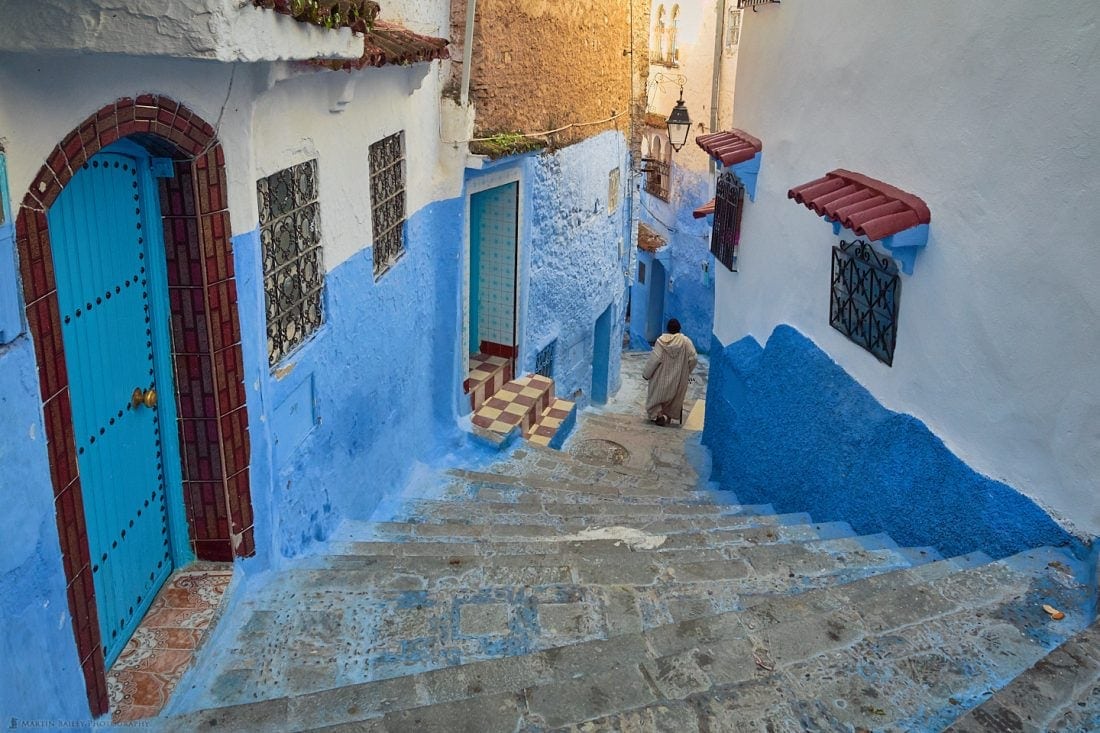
<point x="359" y="15"/>
<point x="503" y="144"/>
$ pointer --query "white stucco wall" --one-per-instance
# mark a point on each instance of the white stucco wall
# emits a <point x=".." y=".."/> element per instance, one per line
<point x="226" y="30"/>
<point x="988" y="110"/>
<point x="275" y="115"/>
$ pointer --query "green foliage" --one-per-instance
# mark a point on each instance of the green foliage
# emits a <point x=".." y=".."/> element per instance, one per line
<point x="505" y="143"/>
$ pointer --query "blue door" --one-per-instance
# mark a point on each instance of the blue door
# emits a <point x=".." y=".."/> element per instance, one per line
<point x="601" y="356"/>
<point x="113" y="308"/>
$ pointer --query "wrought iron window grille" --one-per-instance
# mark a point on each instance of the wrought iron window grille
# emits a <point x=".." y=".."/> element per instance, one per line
<point x="294" y="273"/>
<point x="729" y="202"/>
<point x="864" y="298"/>
<point x="387" y="193"/>
<point x="544" y="361"/>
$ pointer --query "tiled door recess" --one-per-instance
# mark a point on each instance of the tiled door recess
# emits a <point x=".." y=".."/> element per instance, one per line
<point x="528" y="404"/>
<point x="493" y="216"/>
<point x="160" y="651"/>
<point x="487" y="375"/>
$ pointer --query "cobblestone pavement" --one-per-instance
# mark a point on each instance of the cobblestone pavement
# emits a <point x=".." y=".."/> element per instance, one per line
<point x="608" y="587"/>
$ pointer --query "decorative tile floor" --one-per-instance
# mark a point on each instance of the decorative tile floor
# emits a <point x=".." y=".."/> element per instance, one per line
<point x="487" y="375"/>
<point x="550" y="422"/>
<point x="161" y="649"/>
<point x="519" y="402"/>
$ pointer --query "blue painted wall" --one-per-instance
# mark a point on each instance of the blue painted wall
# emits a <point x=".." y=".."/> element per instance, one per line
<point x="689" y="295"/>
<point x="786" y="425"/>
<point x="41" y="676"/>
<point x="575" y="256"/>
<point x="383" y="374"/>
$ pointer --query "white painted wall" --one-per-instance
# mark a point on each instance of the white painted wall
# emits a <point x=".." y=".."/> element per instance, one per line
<point x="275" y="115"/>
<point x="226" y="30"/>
<point x="989" y="110"/>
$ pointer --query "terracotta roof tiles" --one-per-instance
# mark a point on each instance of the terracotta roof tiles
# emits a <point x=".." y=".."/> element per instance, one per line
<point x="868" y="207"/>
<point x="649" y="240"/>
<point x="705" y="210"/>
<point x="730" y="147"/>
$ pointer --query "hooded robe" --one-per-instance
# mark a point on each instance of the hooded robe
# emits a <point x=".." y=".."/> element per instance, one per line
<point x="668" y="370"/>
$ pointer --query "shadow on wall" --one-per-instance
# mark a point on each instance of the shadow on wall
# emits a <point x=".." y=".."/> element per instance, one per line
<point x="786" y="425"/>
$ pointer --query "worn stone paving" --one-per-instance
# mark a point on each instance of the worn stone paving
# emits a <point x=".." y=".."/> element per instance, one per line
<point x="606" y="588"/>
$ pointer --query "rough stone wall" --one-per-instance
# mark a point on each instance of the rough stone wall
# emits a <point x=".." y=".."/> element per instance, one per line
<point x="541" y="65"/>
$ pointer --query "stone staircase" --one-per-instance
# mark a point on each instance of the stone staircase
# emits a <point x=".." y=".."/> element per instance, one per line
<point x="605" y="589"/>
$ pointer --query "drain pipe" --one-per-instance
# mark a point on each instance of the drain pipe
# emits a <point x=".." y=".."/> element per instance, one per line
<point x="468" y="51"/>
<point x="716" y="76"/>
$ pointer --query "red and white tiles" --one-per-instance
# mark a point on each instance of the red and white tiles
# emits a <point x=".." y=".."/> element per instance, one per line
<point x="160" y="651"/>
<point x="527" y="402"/>
<point x="487" y="375"/>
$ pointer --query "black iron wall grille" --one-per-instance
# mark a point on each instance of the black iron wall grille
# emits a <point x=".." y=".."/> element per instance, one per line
<point x="741" y="4"/>
<point x="725" y="237"/>
<point x="544" y="362"/>
<point x="387" y="195"/>
<point x="294" y="272"/>
<point x="864" y="300"/>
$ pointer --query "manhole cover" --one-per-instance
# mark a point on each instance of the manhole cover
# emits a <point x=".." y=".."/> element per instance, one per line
<point x="599" y="452"/>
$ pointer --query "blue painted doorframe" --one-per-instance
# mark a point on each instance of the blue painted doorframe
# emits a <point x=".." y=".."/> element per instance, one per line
<point x="601" y="356"/>
<point x="108" y="254"/>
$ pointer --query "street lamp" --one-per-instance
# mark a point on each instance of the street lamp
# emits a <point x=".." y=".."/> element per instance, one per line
<point x="679" y="124"/>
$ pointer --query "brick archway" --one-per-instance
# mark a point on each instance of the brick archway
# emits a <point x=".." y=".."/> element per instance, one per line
<point x="206" y="349"/>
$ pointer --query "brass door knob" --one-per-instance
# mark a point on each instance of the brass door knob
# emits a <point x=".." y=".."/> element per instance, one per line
<point x="141" y="397"/>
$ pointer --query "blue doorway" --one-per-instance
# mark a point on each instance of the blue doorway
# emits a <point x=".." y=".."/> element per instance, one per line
<point x="105" y="228"/>
<point x="655" y="307"/>
<point x="601" y="356"/>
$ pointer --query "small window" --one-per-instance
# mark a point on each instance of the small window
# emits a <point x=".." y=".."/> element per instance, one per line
<point x="294" y="272"/>
<point x="641" y="273"/>
<point x="387" y="195"/>
<point x="614" y="183"/>
<point x="725" y="237"/>
<point x="658" y="166"/>
<point x="733" y="29"/>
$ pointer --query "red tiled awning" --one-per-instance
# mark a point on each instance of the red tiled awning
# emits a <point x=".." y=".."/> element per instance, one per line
<point x="730" y="147"/>
<point x="868" y="207"/>
<point x="705" y="210"/>
<point x="389" y="44"/>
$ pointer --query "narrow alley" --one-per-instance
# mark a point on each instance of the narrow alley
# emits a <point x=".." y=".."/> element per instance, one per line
<point x="344" y="346"/>
<point x="607" y="588"/>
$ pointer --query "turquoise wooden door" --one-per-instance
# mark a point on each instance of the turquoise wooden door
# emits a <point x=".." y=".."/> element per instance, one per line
<point x="110" y="305"/>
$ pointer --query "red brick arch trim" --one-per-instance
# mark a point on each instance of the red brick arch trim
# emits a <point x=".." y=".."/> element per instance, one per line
<point x="213" y="423"/>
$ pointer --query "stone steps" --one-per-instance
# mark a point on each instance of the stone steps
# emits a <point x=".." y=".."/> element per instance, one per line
<point x="961" y="628"/>
<point x="551" y="592"/>
<point x="1060" y="692"/>
<point x="496" y="530"/>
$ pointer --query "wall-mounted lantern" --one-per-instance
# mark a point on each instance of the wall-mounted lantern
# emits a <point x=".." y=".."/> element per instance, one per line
<point x="679" y="124"/>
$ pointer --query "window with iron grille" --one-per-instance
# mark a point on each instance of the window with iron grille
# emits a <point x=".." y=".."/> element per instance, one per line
<point x="733" y="29"/>
<point x="658" y="167"/>
<point x="725" y="237"/>
<point x="863" y="303"/>
<point x="544" y="362"/>
<point x="294" y="273"/>
<point x="387" y="194"/>
<point x="641" y="273"/>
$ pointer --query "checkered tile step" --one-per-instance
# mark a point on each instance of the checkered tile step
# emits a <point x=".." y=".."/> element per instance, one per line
<point x="551" y="421"/>
<point x="519" y="402"/>
<point x="487" y="375"/>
